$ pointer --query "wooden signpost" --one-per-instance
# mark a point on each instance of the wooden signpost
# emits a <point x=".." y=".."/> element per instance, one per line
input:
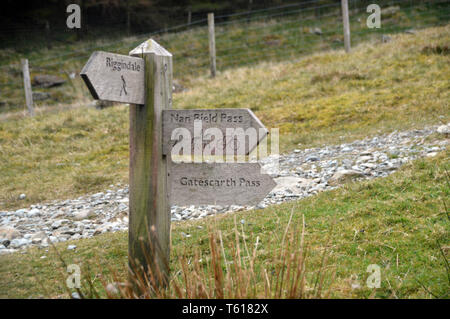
<point x="115" y="77"/>
<point x="145" y="81"/>
<point x="218" y="183"/>
<point x="27" y="86"/>
<point x="222" y="119"/>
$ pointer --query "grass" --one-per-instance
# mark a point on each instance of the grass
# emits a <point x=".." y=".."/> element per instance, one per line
<point x="400" y="223"/>
<point x="282" y="37"/>
<point x="325" y="98"/>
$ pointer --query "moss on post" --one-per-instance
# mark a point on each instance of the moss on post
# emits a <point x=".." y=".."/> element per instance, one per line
<point x="149" y="218"/>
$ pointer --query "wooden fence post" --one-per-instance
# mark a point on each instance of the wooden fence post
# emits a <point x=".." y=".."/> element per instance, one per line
<point x="128" y="13"/>
<point x="212" y="44"/>
<point x="345" y="20"/>
<point x="48" y="35"/>
<point x="27" y="86"/>
<point x="149" y="218"/>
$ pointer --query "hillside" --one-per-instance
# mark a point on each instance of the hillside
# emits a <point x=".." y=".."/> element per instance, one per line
<point x="272" y="35"/>
<point x="399" y="223"/>
<point x="324" y="98"/>
<point x="324" y="243"/>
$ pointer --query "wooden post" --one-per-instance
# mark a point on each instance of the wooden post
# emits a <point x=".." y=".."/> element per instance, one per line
<point x="249" y="9"/>
<point x="128" y="12"/>
<point x="47" y="35"/>
<point x="345" y="20"/>
<point x="27" y="86"/>
<point x="212" y="44"/>
<point x="146" y="84"/>
<point x="189" y="20"/>
<point x="149" y="218"/>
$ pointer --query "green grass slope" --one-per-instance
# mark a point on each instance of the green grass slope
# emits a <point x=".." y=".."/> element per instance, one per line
<point x="328" y="97"/>
<point x="274" y="36"/>
<point x="399" y="223"/>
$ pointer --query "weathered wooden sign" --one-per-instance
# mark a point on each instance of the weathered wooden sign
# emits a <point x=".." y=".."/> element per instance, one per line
<point x="115" y="77"/>
<point x="237" y="127"/>
<point x="156" y="182"/>
<point x="218" y="183"/>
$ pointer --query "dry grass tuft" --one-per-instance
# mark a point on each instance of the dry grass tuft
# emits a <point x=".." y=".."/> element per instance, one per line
<point x="235" y="272"/>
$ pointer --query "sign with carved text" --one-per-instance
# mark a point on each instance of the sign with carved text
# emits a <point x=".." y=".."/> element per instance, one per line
<point x="145" y="81"/>
<point x="218" y="184"/>
<point x="235" y="127"/>
<point x="115" y="77"/>
<point x="119" y="78"/>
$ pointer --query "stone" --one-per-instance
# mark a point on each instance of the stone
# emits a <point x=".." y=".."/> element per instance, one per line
<point x="363" y="159"/>
<point x="291" y="184"/>
<point x="75" y="295"/>
<point x="316" y="31"/>
<point x="111" y="288"/>
<point x="122" y="207"/>
<point x="183" y="234"/>
<point x="295" y="179"/>
<point x="38" y="237"/>
<point x="312" y="158"/>
<point x="434" y="149"/>
<point x="22" y="196"/>
<point x="356" y="286"/>
<point x="83" y="214"/>
<point x="41" y="96"/>
<point x="9" y="233"/>
<point x="177" y="87"/>
<point x="19" y="242"/>
<point x="58" y="223"/>
<point x="444" y="129"/>
<point x="5" y="242"/>
<point x="369" y="165"/>
<point x="53" y="239"/>
<point x="102" y="229"/>
<point x="75" y="237"/>
<point x="47" y="81"/>
<point x="347" y="149"/>
<point x="34" y="212"/>
<point x="343" y="176"/>
<point x="385" y="38"/>
<point x="7" y="251"/>
<point x="21" y="212"/>
<point x="71" y="247"/>
<point x="388" y="11"/>
<point x="114" y="288"/>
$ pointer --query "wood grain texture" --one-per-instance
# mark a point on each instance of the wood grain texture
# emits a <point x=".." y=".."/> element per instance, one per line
<point x="213" y="118"/>
<point x="218" y="183"/>
<point x="346" y="23"/>
<point x="27" y="86"/>
<point x="149" y="217"/>
<point x="115" y="77"/>
<point x="212" y="44"/>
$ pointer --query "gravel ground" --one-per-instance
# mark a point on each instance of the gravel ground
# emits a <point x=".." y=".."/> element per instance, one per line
<point x="301" y="173"/>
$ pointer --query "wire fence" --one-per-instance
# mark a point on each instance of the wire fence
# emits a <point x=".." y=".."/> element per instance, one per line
<point x="279" y="33"/>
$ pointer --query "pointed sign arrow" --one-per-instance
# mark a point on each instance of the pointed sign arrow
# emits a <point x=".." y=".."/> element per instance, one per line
<point x="115" y="77"/>
<point x="236" y="126"/>
<point x="218" y="183"/>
